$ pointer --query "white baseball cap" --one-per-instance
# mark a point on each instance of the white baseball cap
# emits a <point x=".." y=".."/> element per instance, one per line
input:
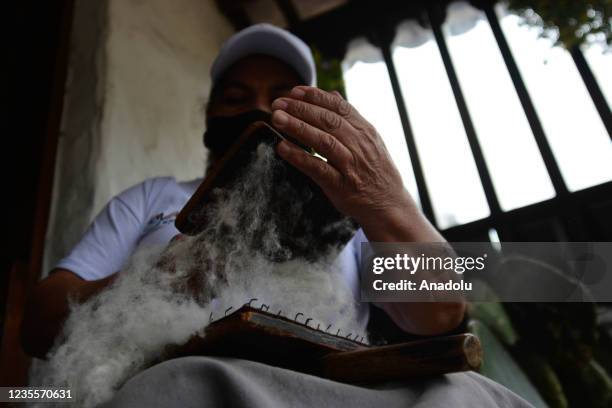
<point x="268" y="40"/>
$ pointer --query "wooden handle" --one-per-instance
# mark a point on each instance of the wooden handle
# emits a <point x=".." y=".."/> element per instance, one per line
<point x="406" y="360"/>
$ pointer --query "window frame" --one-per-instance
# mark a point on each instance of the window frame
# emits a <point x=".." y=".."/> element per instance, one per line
<point x="378" y="26"/>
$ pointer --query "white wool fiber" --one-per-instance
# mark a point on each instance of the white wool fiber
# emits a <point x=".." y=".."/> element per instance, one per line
<point x="167" y="294"/>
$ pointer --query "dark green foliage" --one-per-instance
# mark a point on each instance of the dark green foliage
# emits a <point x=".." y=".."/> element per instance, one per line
<point x="558" y="330"/>
<point x="541" y="374"/>
<point x="499" y="365"/>
<point x="329" y="73"/>
<point x="574" y="19"/>
<point x="566" y="335"/>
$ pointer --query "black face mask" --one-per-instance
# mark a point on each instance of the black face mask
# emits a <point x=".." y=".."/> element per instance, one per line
<point x="222" y="131"/>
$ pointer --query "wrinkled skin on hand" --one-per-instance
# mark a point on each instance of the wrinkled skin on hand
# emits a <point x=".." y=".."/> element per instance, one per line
<point x="359" y="177"/>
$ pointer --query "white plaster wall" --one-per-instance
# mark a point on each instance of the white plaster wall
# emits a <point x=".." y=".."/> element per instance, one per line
<point x="157" y="81"/>
<point x="134" y="104"/>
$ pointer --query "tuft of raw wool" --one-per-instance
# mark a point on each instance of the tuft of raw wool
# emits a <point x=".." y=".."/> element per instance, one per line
<point x="167" y="294"/>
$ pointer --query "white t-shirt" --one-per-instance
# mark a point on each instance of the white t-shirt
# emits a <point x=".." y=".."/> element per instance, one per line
<point x="144" y="215"/>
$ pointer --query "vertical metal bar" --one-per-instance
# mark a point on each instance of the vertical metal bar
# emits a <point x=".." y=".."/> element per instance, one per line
<point x="534" y="121"/>
<point x="483" y="172"/>
<point x="412" y="149"/>
<point x="591" y="84"/>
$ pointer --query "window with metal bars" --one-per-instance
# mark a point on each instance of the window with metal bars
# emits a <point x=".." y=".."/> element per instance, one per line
<point x="493" y="129"/>
<point x="496" y="132"/>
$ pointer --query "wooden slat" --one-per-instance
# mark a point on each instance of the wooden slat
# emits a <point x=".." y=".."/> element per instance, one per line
<point x="14" y="363"/>
<point x="24" y="273"/>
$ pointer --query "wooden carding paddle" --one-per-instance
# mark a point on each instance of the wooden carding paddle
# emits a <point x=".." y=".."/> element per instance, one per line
<point x="192" y="218"/>
<point x="305" y="222"/>
<point x="257" y="335"/>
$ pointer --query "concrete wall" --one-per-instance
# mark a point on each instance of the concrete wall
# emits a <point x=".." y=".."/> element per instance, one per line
<point x="134" y="105"/>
